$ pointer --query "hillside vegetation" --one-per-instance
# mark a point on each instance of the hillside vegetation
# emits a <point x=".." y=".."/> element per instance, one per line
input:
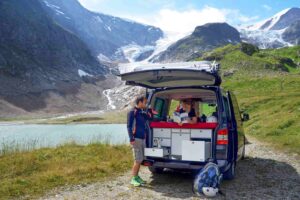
<point x="26" y="175"/>
<point x="267" y="85"/>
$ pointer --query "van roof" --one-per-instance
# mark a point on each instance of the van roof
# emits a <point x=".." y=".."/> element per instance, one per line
<point x="211" y="67"/>
<point x="166" y="75"/>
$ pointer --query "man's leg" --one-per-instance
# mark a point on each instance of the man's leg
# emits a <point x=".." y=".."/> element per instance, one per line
<point x="138" y="158"/>
<point x="136" y="168"/>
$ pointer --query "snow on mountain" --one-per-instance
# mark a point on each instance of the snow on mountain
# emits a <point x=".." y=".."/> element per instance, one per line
<point x="268" y="24"/>
<point x="103" y="58"/>
<point x="103" y="34"/>
<point x="264" y="38"/>
<point x="82" y="73"/>
<point x="269" y="33"/>
<point x="133" y="51"/>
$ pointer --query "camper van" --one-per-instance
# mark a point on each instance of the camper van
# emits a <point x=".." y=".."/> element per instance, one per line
<point x="173" y="142"/>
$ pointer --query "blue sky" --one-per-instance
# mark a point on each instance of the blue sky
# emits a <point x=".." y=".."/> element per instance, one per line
<point x="182" y="16"/>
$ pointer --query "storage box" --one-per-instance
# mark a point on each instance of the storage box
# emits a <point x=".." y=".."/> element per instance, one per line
<point x="156" y="152"/>
<point x="196" y="150"/>
<point x="201" y="133"/>
<point x="176" y="146"/>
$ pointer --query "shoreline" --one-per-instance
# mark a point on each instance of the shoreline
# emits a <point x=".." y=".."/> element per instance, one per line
<point x="91" y="117"/>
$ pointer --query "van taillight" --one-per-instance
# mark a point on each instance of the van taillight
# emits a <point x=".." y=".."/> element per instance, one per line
<point x="222" y="138"/>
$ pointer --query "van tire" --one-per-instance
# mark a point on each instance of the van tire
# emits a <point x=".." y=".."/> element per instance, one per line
<point x="156" y="170"/>
<point x="230" y="173"/>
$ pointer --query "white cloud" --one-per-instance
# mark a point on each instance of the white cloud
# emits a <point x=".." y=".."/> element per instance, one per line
<point x="267" y="7"/>
<point x="185" y="21"/>
<point x="236" y="17"/>
<point x="179" y="22"/>
<point x="92" y="4"/>
<point x="175" y="22"/>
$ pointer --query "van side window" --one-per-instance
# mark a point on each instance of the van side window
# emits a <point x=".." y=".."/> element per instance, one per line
<point x="227" y="110"/>
<point x="158" y="107"/>
<point x="236" y="109"/>
<point x="173" y="106"/>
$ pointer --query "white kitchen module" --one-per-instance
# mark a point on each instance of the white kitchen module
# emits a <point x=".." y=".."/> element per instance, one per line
<point x="196" y="150"/>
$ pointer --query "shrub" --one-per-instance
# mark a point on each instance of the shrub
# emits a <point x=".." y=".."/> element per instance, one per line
<point x="249" y="49"/>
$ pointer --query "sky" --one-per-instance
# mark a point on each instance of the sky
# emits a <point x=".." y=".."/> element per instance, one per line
<point x="180" y="17"/>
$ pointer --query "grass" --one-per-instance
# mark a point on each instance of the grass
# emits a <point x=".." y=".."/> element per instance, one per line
<point x="267" y="85"/>
<point x="31" y="174"/>
<point x="274" y="107"/>
<point x="264" y="62"/>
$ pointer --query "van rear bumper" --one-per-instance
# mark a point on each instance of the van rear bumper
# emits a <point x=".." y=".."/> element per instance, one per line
<point x="177" y="165"/>
<point x="223" y="165"/>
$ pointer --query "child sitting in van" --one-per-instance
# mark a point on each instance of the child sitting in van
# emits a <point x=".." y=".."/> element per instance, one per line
<point x="187" y="107"/>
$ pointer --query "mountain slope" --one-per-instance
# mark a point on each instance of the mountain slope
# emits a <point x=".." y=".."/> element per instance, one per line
<point x="204" y="38"/>
<point x="248" y="59"/>
<point x="274" y="32"/>
<point x="292" y="33"/>
<point x="38" y="56"/>
<point x="281" y="20"/>
<point x="102" y="33"/>
<point x="267" y="86"/>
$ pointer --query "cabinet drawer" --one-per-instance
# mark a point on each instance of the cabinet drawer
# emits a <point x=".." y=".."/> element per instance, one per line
<point x="162" y="132"/>
<point x="180" y="130"/>
<point x="201" y="133"/>
<point x="164" y="142"/>
<point x="185" y="130"/>
<point x="156" y="152"/>
<point x="175" y="130"/>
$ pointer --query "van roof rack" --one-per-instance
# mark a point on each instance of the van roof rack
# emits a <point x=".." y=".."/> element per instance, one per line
<point x="211" y="67"/>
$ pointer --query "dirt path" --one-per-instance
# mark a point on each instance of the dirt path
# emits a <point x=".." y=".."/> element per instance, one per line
<point x="264" y="174"/>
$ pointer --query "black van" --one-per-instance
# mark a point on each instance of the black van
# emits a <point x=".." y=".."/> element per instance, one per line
<point x="216" y="135"/>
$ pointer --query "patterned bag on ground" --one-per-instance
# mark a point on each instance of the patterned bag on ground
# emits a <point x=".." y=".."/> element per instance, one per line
<point x="208" y="180"/>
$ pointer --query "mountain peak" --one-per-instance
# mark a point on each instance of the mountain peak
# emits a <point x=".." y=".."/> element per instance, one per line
<point x="217" y="31"/>
<point x="279" y="21"/>
<point x="204" y="38"/>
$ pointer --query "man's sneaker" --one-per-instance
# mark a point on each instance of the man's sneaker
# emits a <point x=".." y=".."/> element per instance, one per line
<point x="134" y="181"/>
<point x="140" y="180"/>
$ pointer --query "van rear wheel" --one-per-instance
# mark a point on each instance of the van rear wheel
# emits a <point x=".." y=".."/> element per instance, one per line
<point x="230" y="173"/>
<point x="156" y="170"/>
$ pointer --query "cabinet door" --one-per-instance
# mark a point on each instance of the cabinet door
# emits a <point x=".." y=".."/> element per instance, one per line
<point x="177" y="138"/>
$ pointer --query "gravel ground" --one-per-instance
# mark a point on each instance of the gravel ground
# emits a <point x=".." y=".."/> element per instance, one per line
<point x="264" y="174"/>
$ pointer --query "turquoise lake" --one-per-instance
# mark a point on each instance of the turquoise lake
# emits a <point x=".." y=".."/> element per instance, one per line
<point x="37" y="136"/>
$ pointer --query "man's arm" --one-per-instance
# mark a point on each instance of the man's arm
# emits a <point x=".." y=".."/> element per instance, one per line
<point x="130" y="120"/>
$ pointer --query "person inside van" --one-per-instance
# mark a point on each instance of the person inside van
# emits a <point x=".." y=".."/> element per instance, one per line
<point x="187" y="107"/>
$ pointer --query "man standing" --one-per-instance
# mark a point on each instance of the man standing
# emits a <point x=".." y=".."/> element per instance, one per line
<point x="137" y="131"/>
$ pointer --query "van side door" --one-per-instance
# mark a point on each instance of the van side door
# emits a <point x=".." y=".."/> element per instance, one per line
<point x="237" y="121"/>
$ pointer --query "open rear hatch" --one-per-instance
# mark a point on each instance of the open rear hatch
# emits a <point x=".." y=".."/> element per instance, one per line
<point x="183" y="74"/>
